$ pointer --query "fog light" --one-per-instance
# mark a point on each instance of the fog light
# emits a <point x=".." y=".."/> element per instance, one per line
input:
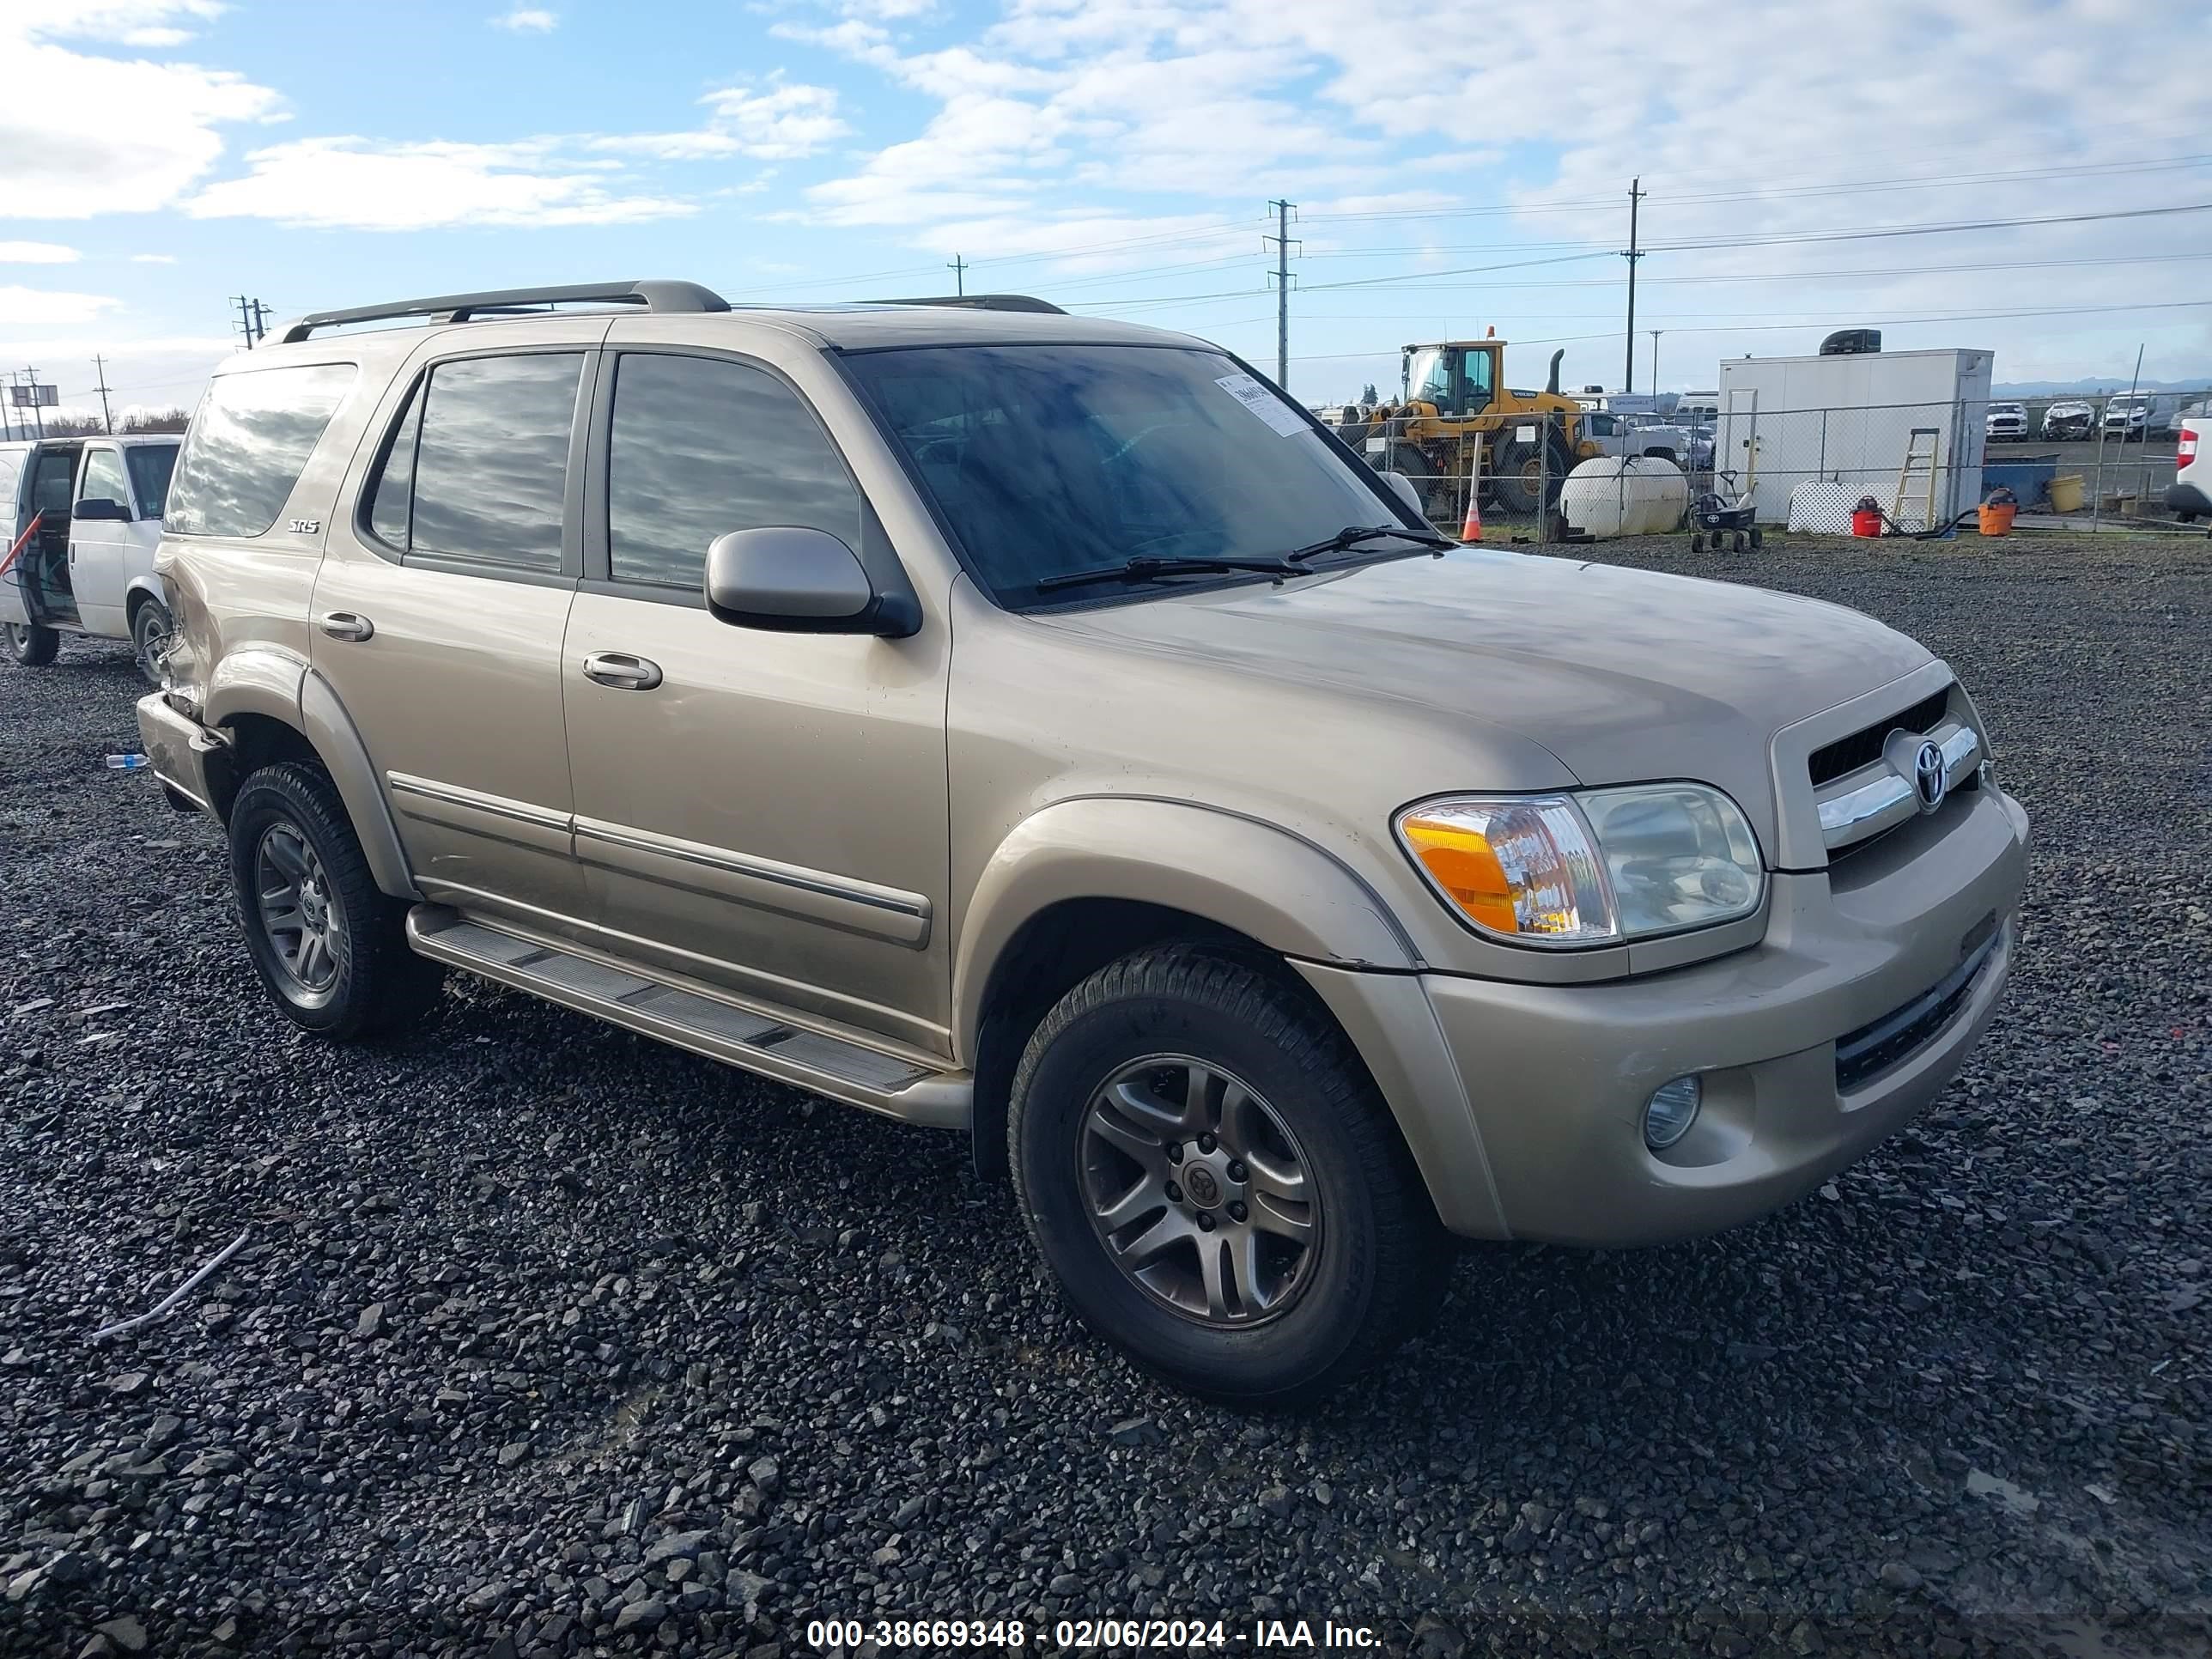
<point x="1671" y="1110"/>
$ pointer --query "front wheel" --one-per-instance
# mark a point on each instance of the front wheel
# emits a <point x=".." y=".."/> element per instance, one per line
<point x="1210" y="1175"/>
<point x="331" y="948"/>
<point x="31" y="645"/>
<point x="150" y="629"/>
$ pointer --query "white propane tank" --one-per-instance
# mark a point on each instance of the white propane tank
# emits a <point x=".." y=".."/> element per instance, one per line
<point x="1631" y="495"/>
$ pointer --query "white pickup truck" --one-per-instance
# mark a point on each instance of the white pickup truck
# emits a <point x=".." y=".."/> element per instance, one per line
<point x="82" y="517"/>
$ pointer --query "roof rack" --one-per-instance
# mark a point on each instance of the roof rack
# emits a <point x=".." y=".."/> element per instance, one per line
<point x="982" y="302"/>
<point x="654" y="297"/>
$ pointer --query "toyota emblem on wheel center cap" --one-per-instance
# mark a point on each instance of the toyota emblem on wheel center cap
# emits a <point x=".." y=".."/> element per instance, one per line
<point x="1204" y="1189"/>
<point x="1928" y="779"/>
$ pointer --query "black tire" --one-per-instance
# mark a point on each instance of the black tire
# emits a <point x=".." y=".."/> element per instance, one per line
<point x="1698" y="541"/>
<point x="1518" y="478"/>
<point x="150" y="627"/>
<point x="376" y="984"/>
<point x="1439" y="492"/>
<point x="1756" y="537"/>
<point x="32" y="645"/>
<point x="1375" y="1268"/>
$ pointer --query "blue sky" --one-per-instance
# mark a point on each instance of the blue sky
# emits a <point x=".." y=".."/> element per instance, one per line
<point x="1455" y="166"/>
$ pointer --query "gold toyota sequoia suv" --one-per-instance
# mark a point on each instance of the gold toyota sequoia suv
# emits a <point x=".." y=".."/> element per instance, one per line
<point x="1040" y="728"/>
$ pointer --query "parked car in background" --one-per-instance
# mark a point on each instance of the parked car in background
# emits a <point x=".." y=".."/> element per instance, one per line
<point x="2190" y="495"/>
<point x="2139" y="416"/>
<point x="2069" y="419"/>
<point x="1036" y="727"/>
<point x="2006" y="423"/>
<point x="83" y="517"/>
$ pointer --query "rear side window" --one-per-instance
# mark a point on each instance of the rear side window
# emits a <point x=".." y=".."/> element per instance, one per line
<point x="700" y="447"/>
<point x="249" y="439"/>
<point x="478" y="464"/>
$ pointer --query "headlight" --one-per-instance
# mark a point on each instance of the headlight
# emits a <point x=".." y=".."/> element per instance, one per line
<point x="1596" y="868"/>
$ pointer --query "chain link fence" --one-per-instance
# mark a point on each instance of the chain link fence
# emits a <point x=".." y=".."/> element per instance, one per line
<point x="2093" y="463"/>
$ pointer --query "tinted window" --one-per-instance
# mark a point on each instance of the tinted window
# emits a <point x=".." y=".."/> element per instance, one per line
<point x="391" y="497"/>
<point x="1047" y="459"/>
<point x="491" y="464"/>
<point x="150" y="467"/>
<point x="253" y="433"/>
<point x="104" y="479"/>
<point x="700" y="448"/>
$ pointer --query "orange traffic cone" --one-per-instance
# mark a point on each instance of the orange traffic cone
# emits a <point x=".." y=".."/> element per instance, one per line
<point x="1472" y="530"/>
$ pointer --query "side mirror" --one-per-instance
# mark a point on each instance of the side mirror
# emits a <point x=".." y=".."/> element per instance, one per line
<point x="101" y="508"/>
<point x="791" y="580"/>
<point x="1403" y="488"/>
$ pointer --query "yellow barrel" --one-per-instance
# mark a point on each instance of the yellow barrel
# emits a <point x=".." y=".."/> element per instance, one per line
<point x="2066" y="494"/>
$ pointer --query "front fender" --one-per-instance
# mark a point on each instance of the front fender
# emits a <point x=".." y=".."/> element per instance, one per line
<point x="1261" y="881"/>
<point x="1284" y="893"/>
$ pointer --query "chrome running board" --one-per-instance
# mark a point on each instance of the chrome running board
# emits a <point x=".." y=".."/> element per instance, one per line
<point x="624" y="995"/>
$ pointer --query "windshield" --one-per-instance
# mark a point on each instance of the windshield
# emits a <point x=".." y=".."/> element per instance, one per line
<point x="1049" y="460"/>
<point x="150" y="467"/>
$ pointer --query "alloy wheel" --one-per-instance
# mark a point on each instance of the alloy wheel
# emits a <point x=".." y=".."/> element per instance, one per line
<point x="300" y="915"/>
<point x="1199" y="1191"/>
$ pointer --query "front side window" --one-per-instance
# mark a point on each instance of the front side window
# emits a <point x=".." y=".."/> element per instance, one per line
<point x="490" y="463"/>
<point x="699" y="447"/>
<point x="151" y="466"/>
<point x="249" y="441"/>
<point x="104" y="479"/>
<point x="1478" y="389"/>
<point x="1047" y="460"/>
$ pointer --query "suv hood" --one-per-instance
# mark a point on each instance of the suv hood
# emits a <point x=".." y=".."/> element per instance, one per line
<point x="1622" y="675"/>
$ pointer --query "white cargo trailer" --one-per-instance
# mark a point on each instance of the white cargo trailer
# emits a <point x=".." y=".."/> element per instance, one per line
<point x="1851" y="419"/>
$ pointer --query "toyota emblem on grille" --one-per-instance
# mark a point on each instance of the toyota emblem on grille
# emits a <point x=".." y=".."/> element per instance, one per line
<point x="1928" y="779"/>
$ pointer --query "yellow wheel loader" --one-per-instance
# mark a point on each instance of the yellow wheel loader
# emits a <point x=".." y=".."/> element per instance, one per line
<point x="1456" y="411"/>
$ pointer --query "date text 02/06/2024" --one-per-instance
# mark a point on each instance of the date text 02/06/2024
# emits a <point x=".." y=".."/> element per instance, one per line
<point x="1088" y="1634"/>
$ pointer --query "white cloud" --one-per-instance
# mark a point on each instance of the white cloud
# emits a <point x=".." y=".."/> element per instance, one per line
<point x="528" y="20"/>
<point x="778" y="122"/>
<point x="37" y="253"/>
<point x="350" y="183"/>
<point x="39" y="307"/>
<point x="86" y="134"/>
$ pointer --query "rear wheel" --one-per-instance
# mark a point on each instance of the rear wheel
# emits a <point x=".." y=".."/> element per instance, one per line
<point x="1211" y="1176"/>
<point x="31" y="645"/>
<point x="331" y="948"/>
<point x="150" y="627"/>
<point x="1439" y="492"/>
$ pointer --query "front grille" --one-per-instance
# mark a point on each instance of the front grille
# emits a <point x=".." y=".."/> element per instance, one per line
<point x="1847" y="754"/>
<point x="1864" y="1054"/>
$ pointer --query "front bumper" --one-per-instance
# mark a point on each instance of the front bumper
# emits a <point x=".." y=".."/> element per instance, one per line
<point x="1555" y="1077"/>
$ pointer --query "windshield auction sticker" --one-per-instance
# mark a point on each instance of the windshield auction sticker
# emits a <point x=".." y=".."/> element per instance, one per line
<point x="1263" y="403"/>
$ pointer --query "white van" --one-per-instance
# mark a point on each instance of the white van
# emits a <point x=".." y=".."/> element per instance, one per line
<point x="83" y="516"/>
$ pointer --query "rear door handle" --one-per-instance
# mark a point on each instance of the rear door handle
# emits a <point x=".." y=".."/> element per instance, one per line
<point x="620" y="670"/>
<point x="347" y="625"/>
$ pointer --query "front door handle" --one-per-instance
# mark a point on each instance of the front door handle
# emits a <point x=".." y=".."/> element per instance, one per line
<point x="620" y="670"/>
<point x="347" y="625"/>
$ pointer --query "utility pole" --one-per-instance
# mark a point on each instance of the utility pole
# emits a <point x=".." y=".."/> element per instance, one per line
<point x="246" y="309"/>
<point x="1635" y="194"/>
<point x="1281" y="238"/>
<point x="32" y="375"/>
<point x="7" y="411"/>
<point x="106" y="420"/>
<point x="1654" y="333"/>
<point x="260" y="322"/>
<point x="958" y="267"/>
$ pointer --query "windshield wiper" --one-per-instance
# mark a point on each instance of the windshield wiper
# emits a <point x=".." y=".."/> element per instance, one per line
<point x="1352" y="535"/>
<point x="1147" y="567"/>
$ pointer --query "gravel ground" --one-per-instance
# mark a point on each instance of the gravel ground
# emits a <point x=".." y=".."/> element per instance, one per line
<point x="546" y="1339"/>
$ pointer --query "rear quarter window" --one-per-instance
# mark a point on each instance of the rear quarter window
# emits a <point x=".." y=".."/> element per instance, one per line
<point x="249" y="442"/>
